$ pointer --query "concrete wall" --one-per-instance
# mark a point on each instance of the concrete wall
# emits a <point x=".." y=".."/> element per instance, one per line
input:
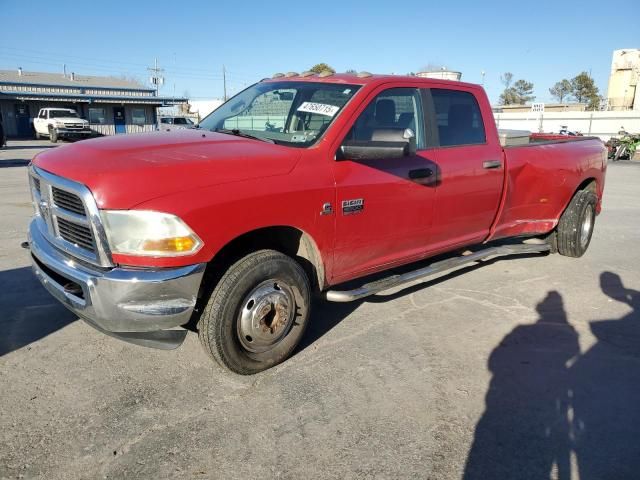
<point x="599" y="124"/>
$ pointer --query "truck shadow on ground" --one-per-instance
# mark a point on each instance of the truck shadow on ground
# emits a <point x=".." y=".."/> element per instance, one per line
<point x="29" y="312"/>
<point x="327" y="315"/>
<point x="27" y="146"/>
<point x="549" y="405"/>
<point x="19" y="162"/>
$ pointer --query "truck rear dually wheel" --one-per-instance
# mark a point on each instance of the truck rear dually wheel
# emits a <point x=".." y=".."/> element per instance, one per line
<point x="257" y="313"/>
<point x="575" y="227"/>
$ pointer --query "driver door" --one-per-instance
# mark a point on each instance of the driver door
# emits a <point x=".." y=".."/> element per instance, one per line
<point x="39" y="123"/>
<point x="384" y="205"/>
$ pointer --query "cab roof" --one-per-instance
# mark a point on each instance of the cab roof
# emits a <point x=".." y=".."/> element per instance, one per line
<point x="363" y="79"/>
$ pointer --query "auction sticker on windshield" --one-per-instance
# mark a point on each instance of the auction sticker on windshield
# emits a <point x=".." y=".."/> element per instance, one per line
<point x="319" y="108"/>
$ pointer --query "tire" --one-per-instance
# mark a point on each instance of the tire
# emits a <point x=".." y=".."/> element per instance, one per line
<point x="36" y="135"/>
<point x="53" y="135"/>
<point x="576" y="224"/>
<point x="257" y="313"/>
<point x="620" y="153"/>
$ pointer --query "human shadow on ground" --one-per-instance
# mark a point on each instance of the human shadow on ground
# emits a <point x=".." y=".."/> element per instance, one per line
<point x="606" y="392"/>
<point x="29" y="312"/>
<point x="547" y="403"/>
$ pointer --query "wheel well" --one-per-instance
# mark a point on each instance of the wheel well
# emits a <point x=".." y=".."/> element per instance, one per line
<point x="588" y="184"/>
<point x="288" y="240"/>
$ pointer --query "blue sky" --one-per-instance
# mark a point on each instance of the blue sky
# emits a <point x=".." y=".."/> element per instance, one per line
<point x="542" y="42"/>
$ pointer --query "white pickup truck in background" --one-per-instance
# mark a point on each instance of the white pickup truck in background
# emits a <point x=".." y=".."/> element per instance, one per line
<point x="57" y="123"/>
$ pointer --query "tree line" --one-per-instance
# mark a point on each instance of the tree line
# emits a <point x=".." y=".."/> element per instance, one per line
<point x="580" y="88"/>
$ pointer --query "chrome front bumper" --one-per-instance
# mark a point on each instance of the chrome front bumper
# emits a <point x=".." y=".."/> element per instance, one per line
<point x="135" y="305"/>
<point x="67" y="132"/>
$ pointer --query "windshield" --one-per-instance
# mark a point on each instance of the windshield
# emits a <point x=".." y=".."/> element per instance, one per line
<point x="62" y="114"/>
<point x="287" y="113"/>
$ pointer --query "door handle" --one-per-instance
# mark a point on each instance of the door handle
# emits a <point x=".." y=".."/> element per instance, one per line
<point x="492" y="164"/>
<point x="419" y="173"/>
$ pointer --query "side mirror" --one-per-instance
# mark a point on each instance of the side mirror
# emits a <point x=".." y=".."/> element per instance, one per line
<point x="384" y="144"/>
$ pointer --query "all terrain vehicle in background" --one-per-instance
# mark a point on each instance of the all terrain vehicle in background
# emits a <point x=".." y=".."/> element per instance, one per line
<point x="623" y="147"/>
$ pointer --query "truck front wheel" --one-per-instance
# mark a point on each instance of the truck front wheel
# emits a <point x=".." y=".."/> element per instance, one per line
<point x="257" y="312"/>
<point x="575" y="227"/>
<point x="53" y="135"/>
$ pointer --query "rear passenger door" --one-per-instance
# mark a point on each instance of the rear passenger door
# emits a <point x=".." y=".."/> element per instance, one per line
<point x="470" y="165"/>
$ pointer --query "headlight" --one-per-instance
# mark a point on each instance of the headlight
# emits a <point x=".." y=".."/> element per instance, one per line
<point x="156" y="234"/>
<point x="59" y="124"/>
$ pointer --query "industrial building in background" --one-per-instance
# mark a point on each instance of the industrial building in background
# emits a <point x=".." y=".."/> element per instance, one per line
<point x="442" y="74"/>
<point x="112" y="105"/>
<point x="623" y="92"/>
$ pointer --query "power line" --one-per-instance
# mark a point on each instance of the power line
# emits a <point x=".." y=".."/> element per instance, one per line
<point x="103" y="63"/>
<point x="231" y="81"/>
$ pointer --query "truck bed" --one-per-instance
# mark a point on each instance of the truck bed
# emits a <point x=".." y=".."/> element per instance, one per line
<point x="541" y="178"/>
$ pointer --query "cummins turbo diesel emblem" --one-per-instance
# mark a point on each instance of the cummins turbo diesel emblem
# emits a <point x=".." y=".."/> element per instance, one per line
<point x="352" y="206"/>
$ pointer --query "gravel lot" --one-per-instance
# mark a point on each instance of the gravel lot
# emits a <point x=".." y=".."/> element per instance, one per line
<point x="521" y="368"/>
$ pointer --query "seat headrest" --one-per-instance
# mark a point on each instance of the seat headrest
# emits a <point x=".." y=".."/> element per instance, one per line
<point x="405" y="119"/>
<point x="385" y="111"/>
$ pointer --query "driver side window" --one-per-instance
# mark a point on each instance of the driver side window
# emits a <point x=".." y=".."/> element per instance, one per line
<point x="393" y="109"/>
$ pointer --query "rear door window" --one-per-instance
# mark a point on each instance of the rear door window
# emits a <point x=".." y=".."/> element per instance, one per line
<point x="458" y="118"/>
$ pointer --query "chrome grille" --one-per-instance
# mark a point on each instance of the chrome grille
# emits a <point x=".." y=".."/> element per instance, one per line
<point x="79" y="235"/>
<point x="67" y="215"/>
<point x="68" y="201"/>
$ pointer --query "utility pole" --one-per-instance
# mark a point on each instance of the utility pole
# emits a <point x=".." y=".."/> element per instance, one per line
<point x="224" y="82"/>
<point x="156" y="79"/>
<point x="482" y="73"/>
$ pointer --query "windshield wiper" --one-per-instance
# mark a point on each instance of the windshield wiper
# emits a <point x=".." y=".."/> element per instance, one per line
<point x="239" y="133"/>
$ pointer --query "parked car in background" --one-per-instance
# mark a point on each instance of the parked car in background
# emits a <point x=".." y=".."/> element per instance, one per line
<point x="58" y="123"/>
<point x="295" y="186"/>
<point x="174" y="122"/>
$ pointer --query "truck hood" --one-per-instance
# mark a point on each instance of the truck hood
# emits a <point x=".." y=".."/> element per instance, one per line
<point x="70" y="120"/>
<point x="124" y="171"/>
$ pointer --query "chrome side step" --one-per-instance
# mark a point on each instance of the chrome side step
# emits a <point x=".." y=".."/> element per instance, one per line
<point x="433" y="269"/>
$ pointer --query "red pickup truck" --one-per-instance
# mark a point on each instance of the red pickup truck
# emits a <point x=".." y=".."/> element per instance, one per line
<point x="296" y="185"/>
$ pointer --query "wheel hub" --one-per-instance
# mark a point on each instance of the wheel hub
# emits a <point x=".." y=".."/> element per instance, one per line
<point x="585" y="231"/>
<point x="265" y="316"/>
